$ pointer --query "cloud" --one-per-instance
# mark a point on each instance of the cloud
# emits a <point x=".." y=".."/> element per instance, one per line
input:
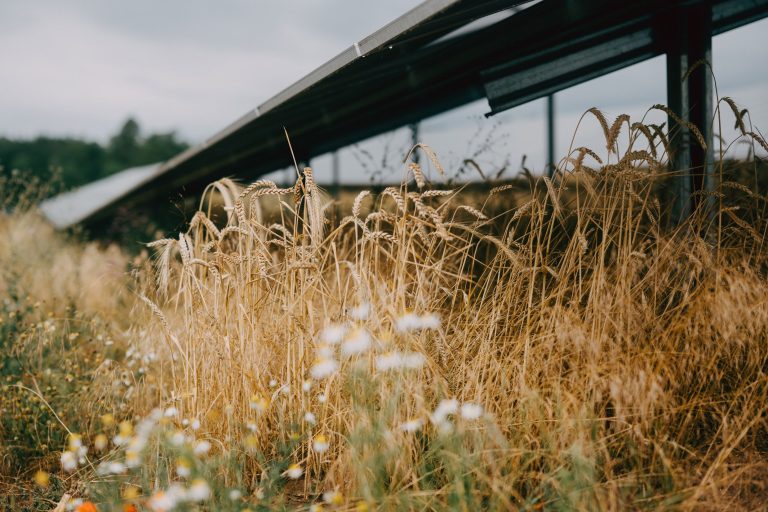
<point x="81" y="67"/>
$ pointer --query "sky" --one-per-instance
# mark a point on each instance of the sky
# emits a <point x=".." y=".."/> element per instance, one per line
<point x="81" y="67"/>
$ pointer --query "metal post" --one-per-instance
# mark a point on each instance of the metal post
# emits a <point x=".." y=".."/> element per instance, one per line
<point x="689" y="95"/>
<point x="335" y="174"/>
<point x="414" y="127"/>
<point x="551" y="135"/>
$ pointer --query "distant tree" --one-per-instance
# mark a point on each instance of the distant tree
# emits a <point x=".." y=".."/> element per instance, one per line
<point x="123" y="147"/>
<point x="77" y="162"/>
<point x="161" y="146"/>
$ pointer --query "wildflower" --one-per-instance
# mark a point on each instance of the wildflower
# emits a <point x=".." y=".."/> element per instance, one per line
<point x="125" y="428"/>
<point x="430" y="321"/>
<point x="259" y="403"/>
<point x="411" y="425"/>
<point x="235" y="495"/>
<point x="42" y="478"/>
<point x="131" y="492"/>
<point x="322" y="398"/>
<point x="107" y="420"/>
<point x="251" y="442"/>
<point x="396" y="360"/>
<point x="333" y="334"/>
<point x="360" y="312"/>
<point x="171" y="412"/>
<point x="202" y="447"/>
<point x="407" y="322"/>
<point x="75" y="442"/>
<point x="361" y="506"/>
<point x="316" y="507"/>
<point x="183" y="467"/>
<point x="111" y="468"/>
<point x="132" y="458"/>
<point x="86" y="506"/>
<point x="272" y="383"/>
<point x="444" y="409"/>
<point x="68" y="461"/>
<point x="357" y="342"/>
<point x="306" y="386"/>
<point x="195" y="424"/>
<point x="100" y="442"/>
<point x="161" y="502"/>
<point x="325" y="351"/>
<point x="310" y="418"/>
<point x="130" y="507"/>
<point x="251" y="426"/>
<point x="229" y="410"/>
<point x="294" y="472"/>
<point x="323" y="368"/>
<point x="414" y="322"/>
<point x="471" y="411"/>
<point x="333" y="498"/>
<point x="320" y="444"/>
<point x="199" y="490"/>
<point x="176" y="438"/>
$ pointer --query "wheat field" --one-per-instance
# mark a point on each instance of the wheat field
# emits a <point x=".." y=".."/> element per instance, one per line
<point x="543" y="344"/>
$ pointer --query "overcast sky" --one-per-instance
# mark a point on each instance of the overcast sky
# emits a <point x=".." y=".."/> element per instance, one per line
<point x="81" y="67"/>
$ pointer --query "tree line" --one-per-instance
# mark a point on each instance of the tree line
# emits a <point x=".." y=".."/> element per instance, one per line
<point x="75" y="162"/>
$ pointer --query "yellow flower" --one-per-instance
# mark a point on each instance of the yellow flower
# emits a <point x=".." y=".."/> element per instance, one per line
<point x="107" y="420"/>
<point x="75" y="442"/>
<point x="126" y="429"/>
<point x="361" y="506"/>
<point x="100" y="442"/>
<point x="333" y="498"/>
<point x="42" y="478"/>
<point x="294" y="471"/>
<point x="251" y="442"/>
<point x="320" y="444"/>
<point x="259" y="403"/>
<point x="131" y="492"/>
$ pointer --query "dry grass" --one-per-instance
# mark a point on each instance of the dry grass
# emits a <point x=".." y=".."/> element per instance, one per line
<point x="617" y="363"/>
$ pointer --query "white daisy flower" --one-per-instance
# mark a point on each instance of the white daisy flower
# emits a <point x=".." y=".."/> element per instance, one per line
<point x="310" y="418"/>
<point x="471" y="411"/>
<point x="333" y="334"/>
<point x="320" y="444"/>
<point x="323" y="368"/>
<point x="294" y="472"/>
<point x="444" y="409"/>
<point x="411" y="425"/>
<point x="357" y="342"/>
<point x="68" y="461"/>
<point x="408" y="322"/>
<point x="201" y="448"/>
<point x="360" y="312"/>
<point x="199" y="490"/>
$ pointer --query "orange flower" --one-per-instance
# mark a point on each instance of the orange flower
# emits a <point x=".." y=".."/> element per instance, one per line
<point x="130" y="507"/>
<point x="86" y="506"/>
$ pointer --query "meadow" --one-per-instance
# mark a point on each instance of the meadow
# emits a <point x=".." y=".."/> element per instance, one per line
<point x="536" y="344"/>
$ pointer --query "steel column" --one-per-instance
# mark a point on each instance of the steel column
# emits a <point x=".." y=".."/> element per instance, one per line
<point x="551" y="166"/>
<point x="690" y="96"/>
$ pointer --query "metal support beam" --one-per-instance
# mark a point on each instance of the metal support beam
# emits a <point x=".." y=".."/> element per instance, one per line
<point x="690" y="96"/>
<point x="414" y="129"/>
<point x="551" y="166"/>
<point x="335" y="174"/>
